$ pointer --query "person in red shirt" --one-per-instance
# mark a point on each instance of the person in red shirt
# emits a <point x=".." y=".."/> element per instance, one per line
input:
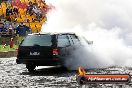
<point x="11" y="43"/>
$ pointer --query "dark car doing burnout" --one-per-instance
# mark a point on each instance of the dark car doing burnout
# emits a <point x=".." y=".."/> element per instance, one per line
<point x="46" y="49"/>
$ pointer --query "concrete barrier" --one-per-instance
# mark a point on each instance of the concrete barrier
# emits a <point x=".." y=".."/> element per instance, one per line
<point x="8" y="54"/>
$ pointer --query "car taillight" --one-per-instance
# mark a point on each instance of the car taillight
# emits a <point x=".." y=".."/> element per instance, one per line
<point x="55" y="54"/>
<point x="55" y="51"/>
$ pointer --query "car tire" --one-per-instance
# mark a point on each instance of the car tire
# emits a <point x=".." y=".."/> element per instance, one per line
<point x="63" y="68"/>
<point x="81" y="80"/>
<point x="30" y="67"/>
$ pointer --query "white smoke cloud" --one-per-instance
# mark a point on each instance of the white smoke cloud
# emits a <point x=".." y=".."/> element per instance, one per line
<point x="106" y="22"/>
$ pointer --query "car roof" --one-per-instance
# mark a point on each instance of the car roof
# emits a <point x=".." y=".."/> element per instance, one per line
<point x="42" y="33"/>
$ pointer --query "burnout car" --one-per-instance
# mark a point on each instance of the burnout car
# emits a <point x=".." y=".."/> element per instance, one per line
<point x="46" y="49"/>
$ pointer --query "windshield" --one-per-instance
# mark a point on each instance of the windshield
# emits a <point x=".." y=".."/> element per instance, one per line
<point x="41" y="40"/>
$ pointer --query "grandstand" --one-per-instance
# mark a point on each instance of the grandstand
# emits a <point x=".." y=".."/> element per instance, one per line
<point x="24" y="11"/>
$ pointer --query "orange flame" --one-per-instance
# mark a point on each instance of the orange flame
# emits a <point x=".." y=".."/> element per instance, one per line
<point x="81" y="71"/>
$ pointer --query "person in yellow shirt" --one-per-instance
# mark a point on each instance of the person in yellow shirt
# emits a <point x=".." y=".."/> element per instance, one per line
<point x="1" y="11"/>
<point x="19" y="19"/>
<point x="3" y="5"/>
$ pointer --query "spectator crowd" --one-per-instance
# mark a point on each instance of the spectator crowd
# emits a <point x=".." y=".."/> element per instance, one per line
<point x="27" y="15"/>
<point x="13" y="29"/>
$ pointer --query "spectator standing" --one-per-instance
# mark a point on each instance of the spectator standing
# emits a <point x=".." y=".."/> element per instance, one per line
<point x="11" y="43"/>
<point x="1" y="11"/>
<point x="11" y="31"/>
<point x="9" y="13"/>
<point x="2" y="28"/>
<point x="9" y="1"/>
<point x="22" y="31"/>
<point x="6" y="25"/>
<point x="15" y="11"/>
<point x="30" y="8"/>
<point x="38" y="13"/>
<point x="15" y="25"/>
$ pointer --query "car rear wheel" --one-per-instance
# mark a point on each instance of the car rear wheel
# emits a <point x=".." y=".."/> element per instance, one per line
<point x="63" y="68"/>
<point x="30" y="67"/>
<point x="81" y="80"/>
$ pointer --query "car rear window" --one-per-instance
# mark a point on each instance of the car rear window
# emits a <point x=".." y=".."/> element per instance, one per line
<point x="41" y="40"/>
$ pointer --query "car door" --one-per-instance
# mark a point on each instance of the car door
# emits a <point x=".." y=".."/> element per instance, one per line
<point x="64" y="45"/>
<point x="75" y="42"/>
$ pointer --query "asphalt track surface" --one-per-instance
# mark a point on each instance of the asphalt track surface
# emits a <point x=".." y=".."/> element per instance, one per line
<point x="14" y="75"/>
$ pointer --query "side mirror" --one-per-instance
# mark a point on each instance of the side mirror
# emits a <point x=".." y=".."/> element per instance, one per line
<point x="90" y="42"/>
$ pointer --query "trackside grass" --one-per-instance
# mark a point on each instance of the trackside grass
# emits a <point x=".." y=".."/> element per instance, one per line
<point x="7" y="48"/>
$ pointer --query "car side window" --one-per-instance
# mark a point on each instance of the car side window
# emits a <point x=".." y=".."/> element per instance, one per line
<point x="63" y="41"/>
<point x="74" y="39"/>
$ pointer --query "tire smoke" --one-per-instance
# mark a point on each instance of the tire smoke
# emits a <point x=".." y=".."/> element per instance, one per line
<point x="105" y="22"/>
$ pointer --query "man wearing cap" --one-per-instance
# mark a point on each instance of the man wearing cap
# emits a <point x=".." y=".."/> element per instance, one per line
<point x="22" y="31"/>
